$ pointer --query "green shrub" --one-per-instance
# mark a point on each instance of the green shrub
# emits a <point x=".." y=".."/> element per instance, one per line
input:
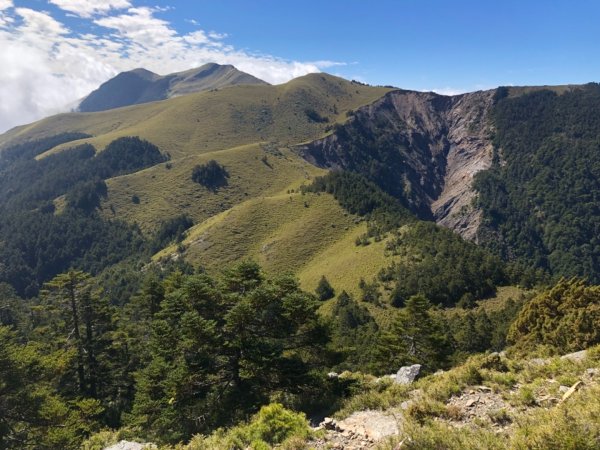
<point x="566" y="318"/>
<point x="272" y="425"/>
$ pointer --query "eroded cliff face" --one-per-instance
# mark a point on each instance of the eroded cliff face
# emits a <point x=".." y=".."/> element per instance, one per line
<point x="471" y="151"/>
<point x="421" y="147"/>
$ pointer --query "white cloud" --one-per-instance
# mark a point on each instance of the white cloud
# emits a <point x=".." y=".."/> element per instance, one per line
<point x="197" y="37"/>
<point x="88" y="8"/>
<point x="44" y="69"/>
<point x="40" y="25"/>
<point x="4" y="19"/>
<point x="217" y="36"/>
<point x="447" y="91"/>
<point x="140" y="27"/>
<point x="47" y="66"/>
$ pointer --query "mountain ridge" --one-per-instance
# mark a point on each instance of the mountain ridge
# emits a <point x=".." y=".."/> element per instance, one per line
<point x="142" y="86"/>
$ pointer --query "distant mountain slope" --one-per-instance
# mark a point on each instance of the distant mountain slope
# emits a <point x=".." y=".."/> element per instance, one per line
<point x="247" y="129"/>
<point x="142" y="86"/>
<point x="215" y="120"/>
<point x="424" y="149"/>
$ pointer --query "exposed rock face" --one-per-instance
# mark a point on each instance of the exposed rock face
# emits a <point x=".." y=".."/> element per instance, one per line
<point x="575" y="356"/>
<point x="407" y="374"/>
<point x="421" y="147"/>
<point x="470" y="151"/>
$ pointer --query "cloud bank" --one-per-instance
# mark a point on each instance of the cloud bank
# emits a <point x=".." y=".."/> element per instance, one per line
<point x="48" y="65"/>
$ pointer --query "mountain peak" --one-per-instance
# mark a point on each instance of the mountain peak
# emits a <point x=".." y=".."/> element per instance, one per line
<point x="144" y="73"/>
<point x="141" y="86"/>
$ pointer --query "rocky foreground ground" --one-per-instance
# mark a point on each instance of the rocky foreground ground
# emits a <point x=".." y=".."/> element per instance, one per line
<point x="498" y="406"/>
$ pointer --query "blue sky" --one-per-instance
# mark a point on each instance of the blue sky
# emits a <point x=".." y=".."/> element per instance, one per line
<point x="59" y="50"/>
<point x="461" y="45"/>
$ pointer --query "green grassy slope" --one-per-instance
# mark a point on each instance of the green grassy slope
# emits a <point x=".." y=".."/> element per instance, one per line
<point x="283" y="233"/>
<point x="255" y="171"/>
<point x="308" y="235"/>
<point x="214" y="120"/>
<point x="231" y="125"/>
<point x="344" y="263"/>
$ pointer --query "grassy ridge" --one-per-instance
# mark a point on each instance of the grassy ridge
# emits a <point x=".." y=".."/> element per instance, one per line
<point x="344" y="263"/>
<point x="227" y="125"/>
<point x="218" y="119"/>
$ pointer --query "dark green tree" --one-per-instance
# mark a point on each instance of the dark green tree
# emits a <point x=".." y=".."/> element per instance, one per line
<point x="222" y="347"/>
<point x="324" y="290"/>
<point x="32" y="412"/>
<point x="354" y="331"/>
<point x="418" y="336"/>
<point x="211" y="175"/>
<point x="82" y="320"/>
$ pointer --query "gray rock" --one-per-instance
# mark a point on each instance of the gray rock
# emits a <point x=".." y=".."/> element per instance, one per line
<point x="471" y="402"/>
<point x="576" y="356"/>
<point x="406" y="404"/>
<point x="370" y="425"/>
<point x="408" y="374"/>
<point x="333" y="375"/>
<point x="328" y="423"/>
<point x="128" y="445"/>
<point x="539" y="361"/>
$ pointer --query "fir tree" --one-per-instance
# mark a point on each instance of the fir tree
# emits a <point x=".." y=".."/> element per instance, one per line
<point x="324" y="290"/>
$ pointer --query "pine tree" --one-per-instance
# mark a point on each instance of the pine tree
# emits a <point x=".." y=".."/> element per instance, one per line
<point x="354" y="332"/>
<point x="85" y="322"/>
<point x="418" y="336"/>
<point x="324" y="290"/>
<point x="32" y="412"/>
<point x="66" y="290"/>
<point x="221" y="347"/>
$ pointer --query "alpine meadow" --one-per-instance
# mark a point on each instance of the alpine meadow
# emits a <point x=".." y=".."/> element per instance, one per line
<point x="225" y="249"/>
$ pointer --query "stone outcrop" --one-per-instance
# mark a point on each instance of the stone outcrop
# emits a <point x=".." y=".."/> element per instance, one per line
<point x="407" y="374"/>
<point x="361" y="430"/>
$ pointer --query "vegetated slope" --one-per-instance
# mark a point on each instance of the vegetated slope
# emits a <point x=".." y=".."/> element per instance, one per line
<point x="167" y="190"/>
<point x="37" y="242"/>
<point x="189" y="126"/>
<point x="218" y="119"/>
<point x="142" y="86"/>
<point x="541" y="197"/>
<point x="344" y="263"/>
<point x="225" y="125"/>
<point x="366" y="244"/>
<point x="283" y="233"/>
